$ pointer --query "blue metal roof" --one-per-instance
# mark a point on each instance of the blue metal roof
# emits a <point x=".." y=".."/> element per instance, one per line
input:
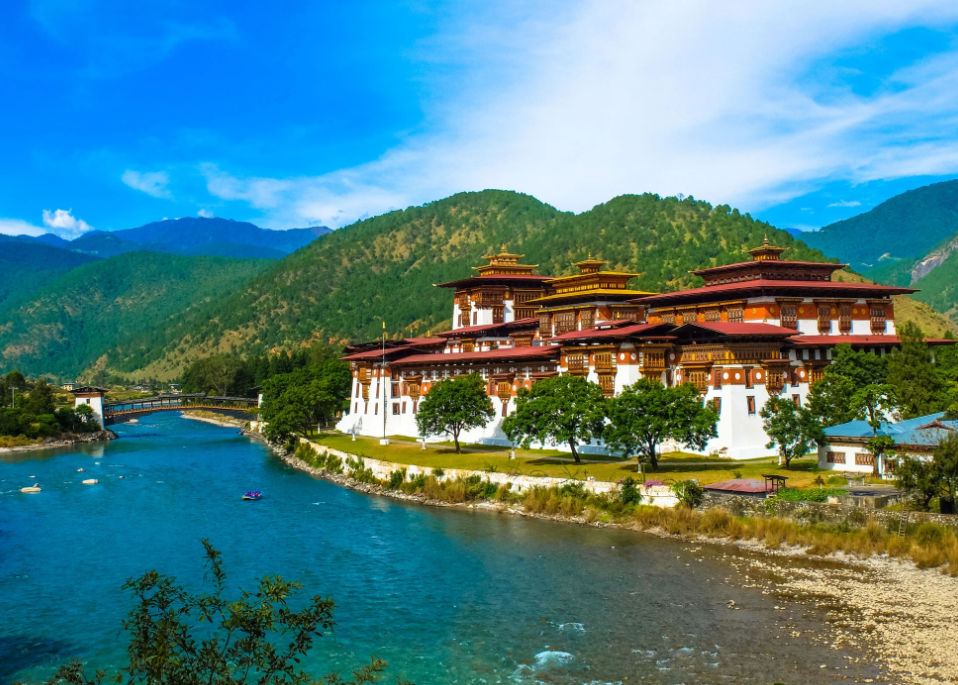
<point x="924" y="430"/>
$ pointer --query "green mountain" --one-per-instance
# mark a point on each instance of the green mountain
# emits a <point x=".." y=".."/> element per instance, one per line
<point x="904" y="227"/>
<point x="28" y="267"/>
<point x="342" y="287"/>
<point x="69" y="324"/>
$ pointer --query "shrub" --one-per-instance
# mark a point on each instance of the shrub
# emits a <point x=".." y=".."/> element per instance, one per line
<point x="438" y="473"/>
<point x="629" y="493"/>
<point x="575" y="489"/>
<point x="396" y="479"/>
<point x="334" y="464"/>
<point x="360" y="472"/>
<point x="798" y="495"/>
<point x="417" y="482"/>
<point x="689" y="493"/>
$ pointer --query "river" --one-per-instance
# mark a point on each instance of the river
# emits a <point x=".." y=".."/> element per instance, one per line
<point x="443" y="595"/>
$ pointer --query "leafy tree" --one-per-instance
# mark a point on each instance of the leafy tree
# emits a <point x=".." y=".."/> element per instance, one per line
<point x="40" y="400"/>
<point x="647" y="413"/>
<point x="883" y="447"/>
<point x="454" y="405"/>
<point x="562" y="409"/>
<point x="183" y="638"/>
<point x="791" y="428"/>
<point x="946" y="472"/>
<point x="297" y="402"/>
<point x="921" y="388"/>
<point x="830" y="399"/>
<point x="917" y="478"/>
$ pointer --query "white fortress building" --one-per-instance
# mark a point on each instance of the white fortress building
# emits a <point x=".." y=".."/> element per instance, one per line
<point x="758" y="328"/>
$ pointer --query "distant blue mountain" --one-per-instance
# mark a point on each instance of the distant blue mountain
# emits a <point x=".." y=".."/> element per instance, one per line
<point x="191" y="236"/>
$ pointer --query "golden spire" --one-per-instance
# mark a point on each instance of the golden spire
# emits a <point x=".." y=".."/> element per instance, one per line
<point x="766" y="252"/>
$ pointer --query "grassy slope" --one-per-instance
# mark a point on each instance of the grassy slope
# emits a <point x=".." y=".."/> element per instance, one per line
<point x="934" y="324"/>
<point x="66" y="326"/>
<point x="905" y="226"/>
<point x="341" y="287"/>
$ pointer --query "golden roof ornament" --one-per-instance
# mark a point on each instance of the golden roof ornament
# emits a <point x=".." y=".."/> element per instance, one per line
<point x="766" y="252"/>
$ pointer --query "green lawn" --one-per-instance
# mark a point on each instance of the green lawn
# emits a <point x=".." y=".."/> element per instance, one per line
<point x="561" y="465"/>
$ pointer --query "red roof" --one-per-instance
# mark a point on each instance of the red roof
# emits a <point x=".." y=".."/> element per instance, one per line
<point x="479" y="280"/>
<point x="411" y="344"/>
<point x="859" y="340"/>
<point x="739" y="485"/>
<point x="764" y="285"/>
<point x="616" y="332"/>
<point x="751" y="329"/>
<point x="467" y="330"/>
<point x="490" y="355"/>
<point x="774" y="264"/>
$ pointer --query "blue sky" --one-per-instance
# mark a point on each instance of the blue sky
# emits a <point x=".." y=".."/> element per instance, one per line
<point x="293" y="114"/>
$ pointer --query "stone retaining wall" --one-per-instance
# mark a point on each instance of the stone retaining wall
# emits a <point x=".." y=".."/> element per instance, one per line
<point x="659" y="495"/>
<point x="818" y="511"/>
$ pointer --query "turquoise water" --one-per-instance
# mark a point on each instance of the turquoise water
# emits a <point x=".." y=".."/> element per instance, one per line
<point x="445" y="596"/>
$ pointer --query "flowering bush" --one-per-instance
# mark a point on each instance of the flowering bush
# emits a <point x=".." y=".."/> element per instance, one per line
<point x="651" y="483"/>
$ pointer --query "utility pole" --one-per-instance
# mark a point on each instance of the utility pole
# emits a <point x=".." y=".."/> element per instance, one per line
<point x="382" y="384"/>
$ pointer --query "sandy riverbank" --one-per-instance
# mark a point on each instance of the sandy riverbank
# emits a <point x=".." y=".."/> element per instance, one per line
<point x="63" y="441"/>
<point x="226" y="421"/>
<point x="901" y="616"/>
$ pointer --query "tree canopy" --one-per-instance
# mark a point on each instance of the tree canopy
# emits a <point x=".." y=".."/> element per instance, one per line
<point x="562" y="409"/>
<point x="647" y="413"/>
<point x="790" y="428"/>
<point x="454" y="405"/>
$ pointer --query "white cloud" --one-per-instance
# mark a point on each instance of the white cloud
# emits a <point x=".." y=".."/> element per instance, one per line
<point x="19" y="227"/>
<point x="723" y="101"/>
<point x="152" y="182"/>
<point x="205" y="213"/>
<point x="64" y="224"/>
<point x="844" y="203"/>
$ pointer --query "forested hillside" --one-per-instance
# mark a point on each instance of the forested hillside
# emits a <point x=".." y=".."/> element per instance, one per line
<point x="341" y="288"/>
<point x="906" y="226"/>
<point x="27" y="267"/>
<point x="68" y="325"/>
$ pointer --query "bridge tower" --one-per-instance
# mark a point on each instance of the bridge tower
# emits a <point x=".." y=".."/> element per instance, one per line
<point x="92" y="396"/>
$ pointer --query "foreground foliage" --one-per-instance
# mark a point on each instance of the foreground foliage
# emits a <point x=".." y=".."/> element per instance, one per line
<point x="183" y="638"/>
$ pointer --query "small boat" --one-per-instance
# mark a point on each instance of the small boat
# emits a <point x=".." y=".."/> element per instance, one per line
<point x="79" y="470"/>
<point x="33" y="488"/>
<point x="253" y="495"/>
<point x="90" y="481"/>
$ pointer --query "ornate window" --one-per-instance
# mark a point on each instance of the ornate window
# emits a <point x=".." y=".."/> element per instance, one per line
<point x="736" y="315"/>
<point x="750" y="403"/>
<point x="668" y="317"/>
<point x="545" y="325"/>
<point x="824" y="319"/>
<point x="700" y="379"/>
<point x="564" y="322"/>
<point x="504" y="390"/>
<point x="713" y="315"/>
<point x="789" y="316"/>
<point x="717" y="403"/>
<point x="607" y="383"/>
<point x="525" y="312"/>
<point x="797" y="399"/>
<point x="576" y="363"/>
<point x="844" y="319"/>
<point x="864" y="459"/>
<point x="878" y="320"/>
<point x="395" y="408"/>
<point x="835" y="457"/>
<point x="498" y="314"/>
<point x="603" y="361"/>
<point x="587" y="318"/>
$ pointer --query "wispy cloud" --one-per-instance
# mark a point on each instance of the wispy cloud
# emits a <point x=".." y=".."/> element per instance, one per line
<point x="846" y="203"/>
<point x="64" y="224"/>
<point x="205" y="213"/>
<point x="152" y="182"/>
<point x="710" y="99"/>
